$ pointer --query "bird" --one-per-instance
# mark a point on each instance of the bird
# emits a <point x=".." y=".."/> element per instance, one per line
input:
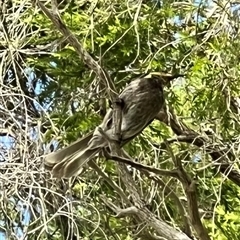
<point x="141" y="101"/>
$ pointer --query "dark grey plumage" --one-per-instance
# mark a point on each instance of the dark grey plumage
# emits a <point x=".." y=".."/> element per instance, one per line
<point x="142" y="100"/>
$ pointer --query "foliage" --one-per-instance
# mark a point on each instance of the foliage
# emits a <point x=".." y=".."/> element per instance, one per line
<point x="49" y="98"/>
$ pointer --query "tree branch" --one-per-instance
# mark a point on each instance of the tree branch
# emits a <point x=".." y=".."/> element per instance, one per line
<point x="190" y="189"/>
<point x="83" y="54"/>
<point x="179" y="128"/>
<point x="140" y="166"/>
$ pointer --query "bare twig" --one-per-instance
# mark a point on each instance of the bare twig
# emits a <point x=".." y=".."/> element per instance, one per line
<point x="119" y="211"/>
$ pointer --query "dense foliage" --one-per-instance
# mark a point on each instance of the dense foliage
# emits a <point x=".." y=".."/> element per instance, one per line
<point x="50" y="96"/>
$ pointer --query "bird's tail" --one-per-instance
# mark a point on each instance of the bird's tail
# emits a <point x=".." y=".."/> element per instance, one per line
<point x="56" y="157"/>
<point x="68" y="161"/>
<point x="71" y="165"/>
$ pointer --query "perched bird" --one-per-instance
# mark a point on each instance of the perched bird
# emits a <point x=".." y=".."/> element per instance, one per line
<point x="142" y="99"/>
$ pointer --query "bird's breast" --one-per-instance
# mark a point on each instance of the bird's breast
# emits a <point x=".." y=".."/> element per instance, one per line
<point x="141" y="105"/>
